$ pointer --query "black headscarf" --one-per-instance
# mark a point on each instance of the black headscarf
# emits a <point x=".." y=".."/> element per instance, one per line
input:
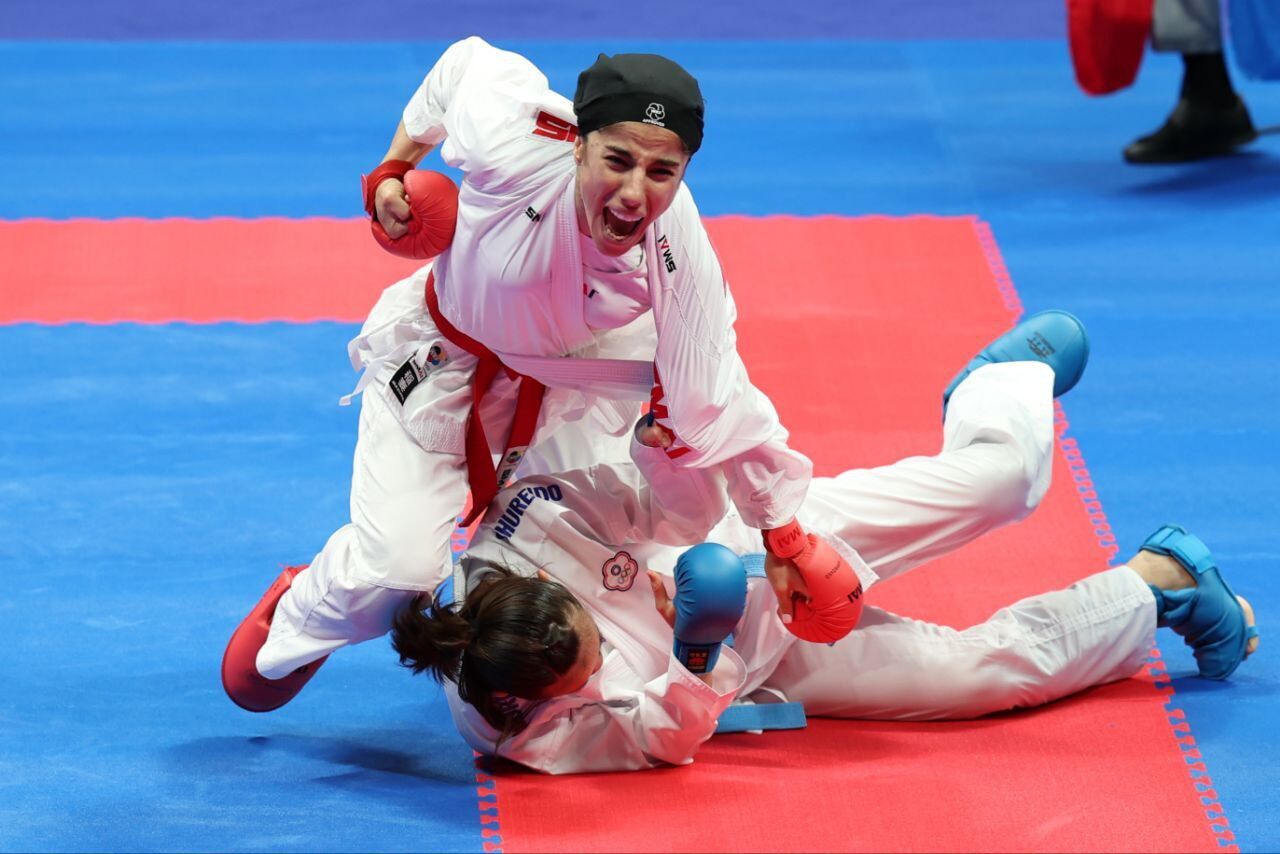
<point x="640" y="87"/>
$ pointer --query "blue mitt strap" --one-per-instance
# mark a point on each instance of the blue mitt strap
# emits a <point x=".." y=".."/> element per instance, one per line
<point x="747" y="717"/>
<point x="1186" y="549"/>
<point x="764" y="716"/>
<point x="754" y="564"/>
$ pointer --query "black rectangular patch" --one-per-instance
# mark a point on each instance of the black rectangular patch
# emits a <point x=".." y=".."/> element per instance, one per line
<point x="404" y="381"/>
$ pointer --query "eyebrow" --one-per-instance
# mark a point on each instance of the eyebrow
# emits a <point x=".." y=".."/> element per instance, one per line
<point x="617" y="149"/>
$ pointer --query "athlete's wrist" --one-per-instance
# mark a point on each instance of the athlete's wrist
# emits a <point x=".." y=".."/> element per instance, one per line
<point x="785" y="541"/>
<point x="387" y="170"/>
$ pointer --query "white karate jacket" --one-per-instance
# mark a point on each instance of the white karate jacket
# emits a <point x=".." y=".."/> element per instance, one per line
<point x="513" y="277"/>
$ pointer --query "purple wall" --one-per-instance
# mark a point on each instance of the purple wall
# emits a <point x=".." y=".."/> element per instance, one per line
<point x="535" y="19"/>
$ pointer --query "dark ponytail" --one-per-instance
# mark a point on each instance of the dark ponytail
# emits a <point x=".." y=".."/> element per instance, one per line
<point x="512" y="635"/>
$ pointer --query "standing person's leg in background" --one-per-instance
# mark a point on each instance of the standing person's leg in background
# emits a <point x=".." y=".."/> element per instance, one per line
<point x="1210" y="119"/>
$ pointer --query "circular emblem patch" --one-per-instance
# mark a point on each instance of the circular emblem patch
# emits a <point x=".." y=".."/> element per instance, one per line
<point x="620" y="571"/>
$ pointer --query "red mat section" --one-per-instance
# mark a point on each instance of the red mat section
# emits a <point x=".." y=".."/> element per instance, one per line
<point x="852" y="327"/>
<point x="200" y="271"/>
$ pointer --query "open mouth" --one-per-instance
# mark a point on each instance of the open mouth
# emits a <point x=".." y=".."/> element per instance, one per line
<point x="618" y="227"/>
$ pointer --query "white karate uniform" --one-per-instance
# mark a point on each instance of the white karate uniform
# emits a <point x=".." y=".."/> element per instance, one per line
<point x="596" y="530"/>
<point x="518" y="280"/>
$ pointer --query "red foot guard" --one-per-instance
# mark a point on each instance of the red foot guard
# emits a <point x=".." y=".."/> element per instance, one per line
<point x="246" y="687"/>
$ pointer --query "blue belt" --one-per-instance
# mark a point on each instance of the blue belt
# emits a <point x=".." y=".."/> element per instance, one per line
<point x="744" y="717"/>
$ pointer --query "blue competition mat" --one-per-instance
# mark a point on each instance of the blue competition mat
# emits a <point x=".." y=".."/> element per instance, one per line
<point x="155" y="478"/>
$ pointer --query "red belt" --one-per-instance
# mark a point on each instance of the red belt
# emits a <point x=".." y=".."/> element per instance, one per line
<point x="485" y="481"/>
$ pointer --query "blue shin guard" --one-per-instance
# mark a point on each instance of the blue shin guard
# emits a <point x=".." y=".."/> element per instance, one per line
<point x="1208" y="616"/>
<point x="1054" y="337"/>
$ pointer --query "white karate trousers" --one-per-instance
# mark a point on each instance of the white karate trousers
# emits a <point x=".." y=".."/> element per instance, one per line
<point x="994" y="468"/>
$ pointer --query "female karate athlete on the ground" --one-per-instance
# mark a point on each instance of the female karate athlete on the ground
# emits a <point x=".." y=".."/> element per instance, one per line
<point x="558" y="658"/>
<point x="577" y="237"/>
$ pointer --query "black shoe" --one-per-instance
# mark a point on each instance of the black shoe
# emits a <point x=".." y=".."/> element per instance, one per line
<point x="1195" y="131"/>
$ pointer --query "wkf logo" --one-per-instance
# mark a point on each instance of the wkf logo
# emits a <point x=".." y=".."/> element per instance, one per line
<point x="655" y="113"/>
<point x="620" y="572"/>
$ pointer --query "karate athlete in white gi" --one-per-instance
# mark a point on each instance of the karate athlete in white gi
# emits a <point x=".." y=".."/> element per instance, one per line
<point x="558" y="659"/>
<point x="576" y="237"/>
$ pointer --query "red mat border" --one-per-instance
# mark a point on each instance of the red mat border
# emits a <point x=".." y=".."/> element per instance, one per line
<point x="487" y="800"/>
<point x="1214" y="812"/>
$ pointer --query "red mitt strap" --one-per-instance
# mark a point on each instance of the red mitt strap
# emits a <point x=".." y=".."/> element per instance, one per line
<point x="369" y="183"/>
<point x="785" y="542"/>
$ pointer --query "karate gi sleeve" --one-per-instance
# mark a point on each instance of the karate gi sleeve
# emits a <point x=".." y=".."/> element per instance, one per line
<point x="480" y="102"/>
<point x="663" y="724"/>
<point x="703" y="394"/>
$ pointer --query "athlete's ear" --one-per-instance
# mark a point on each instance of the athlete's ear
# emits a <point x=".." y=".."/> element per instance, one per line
<point x="579" y="150"/>
<point x="542" y="574"/>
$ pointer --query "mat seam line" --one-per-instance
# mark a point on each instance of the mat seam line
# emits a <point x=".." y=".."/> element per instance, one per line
<point x="1215" y="814"/>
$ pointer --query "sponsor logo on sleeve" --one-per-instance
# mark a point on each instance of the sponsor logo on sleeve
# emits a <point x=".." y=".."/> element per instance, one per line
<point x="620" y="572"/>
<point x="667" y="258"/>
<point x="554" y="128"/>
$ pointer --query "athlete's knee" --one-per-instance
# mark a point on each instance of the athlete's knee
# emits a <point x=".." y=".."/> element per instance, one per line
<point x="1012" y="486"/>
<point x="1001" y="668"/>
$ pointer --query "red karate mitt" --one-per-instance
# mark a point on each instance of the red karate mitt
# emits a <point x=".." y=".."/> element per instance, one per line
<point x="835" y="591"/>
<point x="433" y="206"/>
